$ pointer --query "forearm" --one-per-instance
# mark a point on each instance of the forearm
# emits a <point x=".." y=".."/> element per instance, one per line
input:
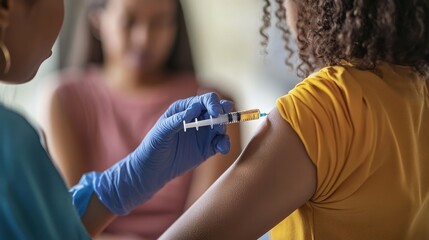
<point x="208" y="172"/>
<point x="97" y="217"/>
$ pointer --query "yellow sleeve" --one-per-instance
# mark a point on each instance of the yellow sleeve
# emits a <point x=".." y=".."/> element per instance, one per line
<point x="318" y="110"/>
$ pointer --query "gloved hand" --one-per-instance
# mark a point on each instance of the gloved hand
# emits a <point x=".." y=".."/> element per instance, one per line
<point x="165" y="153"/>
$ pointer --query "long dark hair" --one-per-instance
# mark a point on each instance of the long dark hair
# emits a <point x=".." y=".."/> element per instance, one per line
<point x="180" y="58"/>
<point x="329" y="31"/>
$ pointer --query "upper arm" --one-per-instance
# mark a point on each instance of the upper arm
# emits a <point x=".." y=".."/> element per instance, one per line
<point x="208" y="172"/>
<point x="273" y="177"/>
<point x="63" y="140"/>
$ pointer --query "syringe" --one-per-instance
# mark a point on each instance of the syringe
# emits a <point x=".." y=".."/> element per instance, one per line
<point x="234" y="117"/>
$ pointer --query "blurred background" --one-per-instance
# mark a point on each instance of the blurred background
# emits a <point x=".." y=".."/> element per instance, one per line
<point x="227" y="53"/>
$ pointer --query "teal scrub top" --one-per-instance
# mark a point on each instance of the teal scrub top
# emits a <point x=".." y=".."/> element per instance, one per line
<point x="34" y="201"/>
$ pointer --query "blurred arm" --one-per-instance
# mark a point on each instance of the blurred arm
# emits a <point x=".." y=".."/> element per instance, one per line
<point x="97" y="217"/>
<point x="273" y="177"/>
<point x="63" y="142"/>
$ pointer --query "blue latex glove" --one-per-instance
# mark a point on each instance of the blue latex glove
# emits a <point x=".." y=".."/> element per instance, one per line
<point x="165" y="153"/>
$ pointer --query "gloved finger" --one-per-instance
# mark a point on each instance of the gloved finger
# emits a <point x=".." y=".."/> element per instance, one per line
<point x="211" y="103"/>
<point x="179" y="106"/>
<point x="174" y="123"/>
<point x="227" y="106"/>
<point x="192" y="112"/>
<point x="221" y="143"/>
<point x="220" y="129"/>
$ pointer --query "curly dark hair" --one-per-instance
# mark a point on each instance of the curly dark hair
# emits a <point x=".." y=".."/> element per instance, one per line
<point x="359" y="31"/>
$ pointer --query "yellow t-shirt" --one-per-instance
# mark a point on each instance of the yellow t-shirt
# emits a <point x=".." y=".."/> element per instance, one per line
<point x="368" y="135"/>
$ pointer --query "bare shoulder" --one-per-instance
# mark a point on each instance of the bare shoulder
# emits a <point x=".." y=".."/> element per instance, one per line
<point x="277" y="154"/>
<point x="272" y="178"/>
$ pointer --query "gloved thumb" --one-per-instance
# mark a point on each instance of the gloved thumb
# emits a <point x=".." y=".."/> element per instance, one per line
<point x="222" y="144"/>
<point x="227" y="106"/>
<point x="211" y="102"/>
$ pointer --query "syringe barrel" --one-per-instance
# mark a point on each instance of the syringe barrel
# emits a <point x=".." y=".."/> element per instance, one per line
<point x="242" y="116"/>
<point x="235" y="117"/>
<point x="229" y="118"/>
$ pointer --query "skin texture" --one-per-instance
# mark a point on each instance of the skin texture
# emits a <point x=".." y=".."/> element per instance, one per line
<point x="272" y="178"/>
<point x="137" y="37"/>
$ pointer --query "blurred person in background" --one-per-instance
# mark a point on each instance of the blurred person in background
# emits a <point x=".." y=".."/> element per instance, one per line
<point x="34" y="201"/>
<point x="139" y="63"/>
